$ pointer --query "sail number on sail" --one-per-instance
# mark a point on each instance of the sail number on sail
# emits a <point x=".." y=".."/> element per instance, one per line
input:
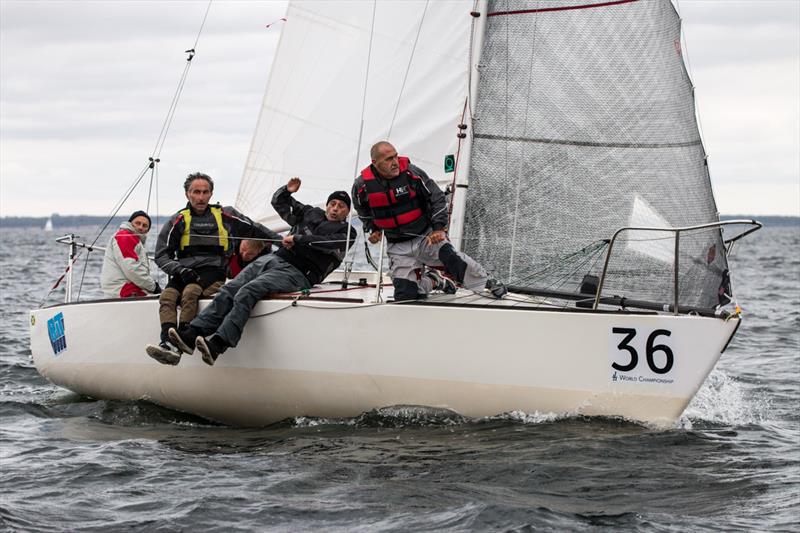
<point x="659" y="356"/>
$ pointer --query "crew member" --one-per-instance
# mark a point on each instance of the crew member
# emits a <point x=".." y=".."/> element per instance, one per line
<point x="193" y="249"/>
<point x="314" y="247"/>
<point x="397" y="199"/>
<point x="126" y="270"/>
<point x="248" y="251"/>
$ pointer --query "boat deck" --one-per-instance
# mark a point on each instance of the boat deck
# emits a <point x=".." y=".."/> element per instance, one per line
<point x="334" y="292"/>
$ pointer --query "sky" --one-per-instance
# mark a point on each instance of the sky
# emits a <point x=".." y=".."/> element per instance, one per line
<point x="85" y="88"/>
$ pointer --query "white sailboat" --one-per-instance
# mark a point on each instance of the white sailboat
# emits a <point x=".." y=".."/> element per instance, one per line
<point x="578" y="176"/>
<point x="48" y="225"/>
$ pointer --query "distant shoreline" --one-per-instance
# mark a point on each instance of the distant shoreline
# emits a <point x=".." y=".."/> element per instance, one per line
<point x="65" y="221"/>
<point x="71" y="221"/>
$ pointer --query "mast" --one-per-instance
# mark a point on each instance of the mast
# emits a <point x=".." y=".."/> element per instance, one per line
<point x="461" y="178"/>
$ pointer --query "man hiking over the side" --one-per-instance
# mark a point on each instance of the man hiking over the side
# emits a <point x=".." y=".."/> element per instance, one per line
<point x="193" y="249"/>
<point x="314" y="247"/>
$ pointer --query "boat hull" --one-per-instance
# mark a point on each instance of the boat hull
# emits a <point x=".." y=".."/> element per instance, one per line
<point x="336" y="359"/>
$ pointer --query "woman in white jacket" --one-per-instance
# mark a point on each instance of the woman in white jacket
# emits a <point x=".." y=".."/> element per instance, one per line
<point x="126" y="270"/>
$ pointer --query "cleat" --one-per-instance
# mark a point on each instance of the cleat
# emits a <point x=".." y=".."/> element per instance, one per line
<point x="441" y="283"/>
<point x="496" y="288"/>
<point x="164" y="353"/>
<point x="210" y="348"/>
<point x="184" y="342"/>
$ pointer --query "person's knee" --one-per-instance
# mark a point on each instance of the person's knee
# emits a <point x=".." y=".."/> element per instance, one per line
<point x="405" y="289"/>
<point x="191" y="292"/>
<point x="169" y="296"/>
<point x="248" y="296"/>
<point x="453" y="264"/>
<point x="212" y="289"/>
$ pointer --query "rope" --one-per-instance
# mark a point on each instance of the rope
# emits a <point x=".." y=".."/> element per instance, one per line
<point x="233" y="238"/>
<point x="298" y="303"/>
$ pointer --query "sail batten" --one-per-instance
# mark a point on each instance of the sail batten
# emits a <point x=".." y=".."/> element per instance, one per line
<point x="587" y="143"/>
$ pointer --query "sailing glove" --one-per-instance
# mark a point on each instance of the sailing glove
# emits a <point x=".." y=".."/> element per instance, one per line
<point x="188" y="276"/>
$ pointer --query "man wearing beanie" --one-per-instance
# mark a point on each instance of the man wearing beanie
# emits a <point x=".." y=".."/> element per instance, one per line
<point x="397" y="199"/>
<point x="126" y="270"/>
<point x="314" y="247"/>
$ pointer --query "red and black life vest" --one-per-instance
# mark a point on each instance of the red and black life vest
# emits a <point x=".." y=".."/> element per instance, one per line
<point x="396" y="204"/>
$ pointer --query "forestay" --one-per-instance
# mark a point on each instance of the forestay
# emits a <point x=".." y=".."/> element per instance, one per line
<point x="405" y="62"/>
<point x="586" y="123"/>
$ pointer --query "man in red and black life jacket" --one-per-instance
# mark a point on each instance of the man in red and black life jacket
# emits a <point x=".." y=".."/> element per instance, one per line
<point x="397" y="199"/>
<point x="247" y="251"/>
<point x="313" y="248"/>
<point x="193" y="248"/>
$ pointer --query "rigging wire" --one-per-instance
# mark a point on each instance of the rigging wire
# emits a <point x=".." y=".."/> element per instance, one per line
<point x="361" y="124"/>
<point x="162" y="136"/>
<point x="408" y="68"/>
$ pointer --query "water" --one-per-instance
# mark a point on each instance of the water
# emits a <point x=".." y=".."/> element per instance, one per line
<point x="731" y="463"/>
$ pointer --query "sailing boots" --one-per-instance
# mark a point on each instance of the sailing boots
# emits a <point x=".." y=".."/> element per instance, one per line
<point x="496" y="288"/>
<point x="210" y="347"/>
<point x="184" y="338"/>
<point x="441" y="283"/>
<point x="165" y="353"/>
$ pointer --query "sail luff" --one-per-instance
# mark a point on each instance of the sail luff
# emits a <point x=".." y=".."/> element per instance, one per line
<point x="243" y="192"/>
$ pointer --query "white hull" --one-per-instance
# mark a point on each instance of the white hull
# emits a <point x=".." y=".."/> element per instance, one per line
<point x="339" y="359"/>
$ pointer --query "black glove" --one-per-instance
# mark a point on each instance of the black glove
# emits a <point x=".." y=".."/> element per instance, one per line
<point x="157" y="290"/>
<point x="188" y="276"/>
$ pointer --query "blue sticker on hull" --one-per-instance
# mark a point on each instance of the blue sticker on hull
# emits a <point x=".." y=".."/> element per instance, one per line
<point x="58" y="336"/>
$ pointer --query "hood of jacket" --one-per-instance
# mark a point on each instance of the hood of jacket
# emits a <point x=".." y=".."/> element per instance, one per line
<point x="128" y="226"/>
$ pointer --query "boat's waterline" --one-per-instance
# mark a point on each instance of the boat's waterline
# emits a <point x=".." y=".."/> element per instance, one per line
<point x="341" y="361"/>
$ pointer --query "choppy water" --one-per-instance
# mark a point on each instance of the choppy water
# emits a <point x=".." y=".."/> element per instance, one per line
<point x="732" y="463"/>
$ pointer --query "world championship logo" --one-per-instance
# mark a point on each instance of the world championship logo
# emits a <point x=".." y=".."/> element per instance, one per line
<point x="58" y="336"/>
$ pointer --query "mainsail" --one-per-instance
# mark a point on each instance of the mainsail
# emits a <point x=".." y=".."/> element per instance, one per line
<point x="403" y="66"/>
<point x="586" y="123"/>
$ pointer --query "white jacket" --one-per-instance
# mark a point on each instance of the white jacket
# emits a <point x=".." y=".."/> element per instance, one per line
<point x="126" y="270"/>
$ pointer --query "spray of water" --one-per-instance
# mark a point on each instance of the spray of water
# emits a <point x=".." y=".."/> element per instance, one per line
<point x="724" y="400"/>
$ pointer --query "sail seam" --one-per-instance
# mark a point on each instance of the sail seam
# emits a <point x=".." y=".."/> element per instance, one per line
<point x="563" y="8"/>
<point x="587" y="143"/>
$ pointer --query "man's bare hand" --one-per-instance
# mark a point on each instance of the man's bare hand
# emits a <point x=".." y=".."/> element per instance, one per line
<point x="375" y="236"/>
<point x="293" y="185"/>
<point x="288" y="241"/>
<point x="437" y="237"/>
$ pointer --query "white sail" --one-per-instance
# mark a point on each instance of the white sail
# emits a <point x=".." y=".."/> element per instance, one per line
<point x="405" y="62"/>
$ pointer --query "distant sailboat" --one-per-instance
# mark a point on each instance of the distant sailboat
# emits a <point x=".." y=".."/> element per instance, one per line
<point x="48" y="226"/>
